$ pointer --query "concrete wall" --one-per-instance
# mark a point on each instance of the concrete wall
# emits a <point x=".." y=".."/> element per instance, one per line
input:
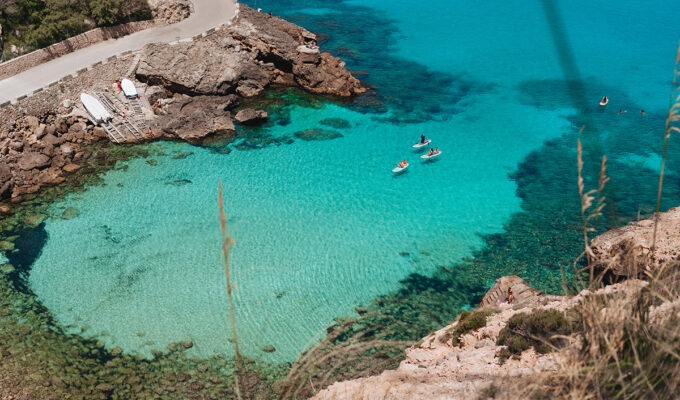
<point x="30" y="60"/>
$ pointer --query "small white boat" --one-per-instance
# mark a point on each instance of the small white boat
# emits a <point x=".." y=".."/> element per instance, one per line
<point x="399" y="169"/>
<point x="428" y="156"/>
<point x="604" y="102"/>
<point x="128" y="87"/>
<point x="425" y="143"/>
<point x="95" y="108"/>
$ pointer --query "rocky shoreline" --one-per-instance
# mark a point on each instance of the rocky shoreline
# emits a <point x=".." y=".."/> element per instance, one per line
<point x="193" y="87"/>
<point x="48" y="148"/>
<point x="468" y="359"/>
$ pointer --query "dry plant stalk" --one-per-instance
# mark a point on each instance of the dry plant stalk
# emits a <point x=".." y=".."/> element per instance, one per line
<point x="673" y="116"/>
<point x="587" y="199"/>
<point x="315" y="368"/>
<point x="227" y="243"/>
<point x="627" y="345"/>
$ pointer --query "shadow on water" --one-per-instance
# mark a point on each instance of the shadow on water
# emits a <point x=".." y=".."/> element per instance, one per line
<point x="28" y="247"/>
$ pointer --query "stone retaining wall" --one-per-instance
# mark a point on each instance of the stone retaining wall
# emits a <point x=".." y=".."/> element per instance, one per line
<point x="97" y="35"/>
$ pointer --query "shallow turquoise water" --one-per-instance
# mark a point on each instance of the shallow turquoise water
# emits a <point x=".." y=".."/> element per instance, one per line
<point x="325" y="226"/>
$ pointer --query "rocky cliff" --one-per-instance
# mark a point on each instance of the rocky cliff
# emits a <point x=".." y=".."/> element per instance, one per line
<point x="543" y="345"/>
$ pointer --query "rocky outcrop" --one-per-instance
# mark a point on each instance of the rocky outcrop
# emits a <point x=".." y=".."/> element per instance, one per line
<point x="627" y="251"/>
<point x="256" y="51"/>
<point x="248" y="116"/>
<point x="438" y="369"/>
<point x="521" y="290"/>
<point x="194" y="118"/>
<point x="170" y="11"/>
<point x="45" y="138"/>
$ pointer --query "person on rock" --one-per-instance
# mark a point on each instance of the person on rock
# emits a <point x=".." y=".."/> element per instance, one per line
<point x="511" y="295"/>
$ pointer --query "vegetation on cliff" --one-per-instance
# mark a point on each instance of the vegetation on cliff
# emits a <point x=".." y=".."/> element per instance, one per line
<point x="33" y="24"/>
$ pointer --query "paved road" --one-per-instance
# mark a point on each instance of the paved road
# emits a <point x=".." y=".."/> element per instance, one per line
<point x="207" y="14"/>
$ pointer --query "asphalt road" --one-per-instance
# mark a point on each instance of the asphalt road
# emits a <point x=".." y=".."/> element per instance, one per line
<point x="207" y="14"/>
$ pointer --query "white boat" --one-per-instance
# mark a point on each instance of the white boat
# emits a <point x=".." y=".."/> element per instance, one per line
<point x="425" y="143"/>
<point x="399" y="169"/>
<point x="95" y="108"/>
<point x="428" y="156"/>
<point x="128" y="87"/>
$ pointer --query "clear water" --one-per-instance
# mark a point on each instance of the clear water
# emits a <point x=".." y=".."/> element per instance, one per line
<point x="324" y="226"/>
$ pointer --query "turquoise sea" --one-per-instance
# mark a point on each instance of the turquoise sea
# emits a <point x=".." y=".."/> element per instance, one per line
<point x="324" y="226"/>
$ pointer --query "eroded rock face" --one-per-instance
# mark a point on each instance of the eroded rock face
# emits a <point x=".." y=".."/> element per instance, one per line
<point x="245" y="58"/>
<point x="627" y="251"/>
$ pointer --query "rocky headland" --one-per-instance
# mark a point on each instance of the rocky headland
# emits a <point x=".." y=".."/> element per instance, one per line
<point x="193" y="88"/>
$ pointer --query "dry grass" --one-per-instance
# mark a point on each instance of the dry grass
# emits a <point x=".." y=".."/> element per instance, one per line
<point x="673" y="116"/>
<point x="627" y="344"/>
<point x="355" y="348"/>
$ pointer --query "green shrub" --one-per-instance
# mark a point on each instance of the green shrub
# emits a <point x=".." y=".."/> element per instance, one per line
<point x="468" y="322"/>
<point x="533" y="330"/>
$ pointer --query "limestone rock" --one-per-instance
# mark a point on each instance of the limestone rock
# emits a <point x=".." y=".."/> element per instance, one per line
<point x="31" y="160"/>
<point x="155" y="93"/>
<point x="499" y="291"/>
<point x="249" y="116"/>
<point x="245" y="58"/>
<point x="194" y="118"/>
<point x="627" y="251"/>
<point x="170" y="11"/>
<point x="195" y="68"/>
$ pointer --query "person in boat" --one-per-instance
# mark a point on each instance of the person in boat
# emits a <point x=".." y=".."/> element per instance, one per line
<point x="436" y="151"/>
<point x="604" y="100"/>
<point x="431" y="152"/>
<point x="422" y="137"/>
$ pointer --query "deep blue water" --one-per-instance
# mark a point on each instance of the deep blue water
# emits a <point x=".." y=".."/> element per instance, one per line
<point x="323" y="226"/>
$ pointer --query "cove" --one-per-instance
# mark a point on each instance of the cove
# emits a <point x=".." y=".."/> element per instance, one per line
<point x="322" y="226"/>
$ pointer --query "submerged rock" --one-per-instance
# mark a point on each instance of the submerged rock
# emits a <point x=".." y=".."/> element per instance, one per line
<point x="178" y="182"/>
<point x="70" y="213"/>
<point x="269" y="349"/>
<point x="317" y="134"/>
<point x="35" y="220"/>
<point x="337" y="123"/>
<point x="6" y="246"/>
<point x="181" y="156"/>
